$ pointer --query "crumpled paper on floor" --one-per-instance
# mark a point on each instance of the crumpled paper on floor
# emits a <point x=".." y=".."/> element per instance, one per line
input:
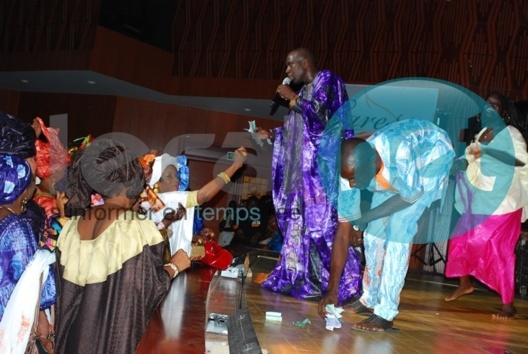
<point x="333" y="317"/>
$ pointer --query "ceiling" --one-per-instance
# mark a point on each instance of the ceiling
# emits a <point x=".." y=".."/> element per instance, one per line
<point x="92" y="83"/>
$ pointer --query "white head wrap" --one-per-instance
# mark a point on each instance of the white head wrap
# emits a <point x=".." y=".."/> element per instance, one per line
<point x="161" y="163"/>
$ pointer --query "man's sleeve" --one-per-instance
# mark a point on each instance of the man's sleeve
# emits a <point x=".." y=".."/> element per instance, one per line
<point x="408" y="181"/>
<point x="348" y="202"/>
<point x="328" y="95"/>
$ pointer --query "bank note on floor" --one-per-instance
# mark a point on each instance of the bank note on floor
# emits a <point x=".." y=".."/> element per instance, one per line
<point x="332" y="322"/>
<point x="333" y="317"/>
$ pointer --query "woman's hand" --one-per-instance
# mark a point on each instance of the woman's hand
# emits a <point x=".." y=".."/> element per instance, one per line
<point x="262" y="133"/>
<point x="474" y="150"/>
<point x="240" y="156"/>
<point x="177" y="214"/>
<point x="181" y="260"/>
<point x="174" y="215"/>
<point x="180" y="213"/>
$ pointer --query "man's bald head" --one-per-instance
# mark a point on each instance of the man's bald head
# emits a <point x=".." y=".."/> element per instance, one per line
<point x="304" y="53"/>
<point x="358" y="162"/>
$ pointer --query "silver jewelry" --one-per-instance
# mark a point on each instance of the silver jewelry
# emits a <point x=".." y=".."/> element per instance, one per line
<point x="174" y="268"/>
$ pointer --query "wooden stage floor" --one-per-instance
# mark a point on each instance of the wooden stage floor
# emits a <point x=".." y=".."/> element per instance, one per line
<point x="426" y="322"/>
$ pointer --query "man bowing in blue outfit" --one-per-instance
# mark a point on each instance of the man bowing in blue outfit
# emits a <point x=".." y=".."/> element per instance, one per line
<point x="406" y="166"/>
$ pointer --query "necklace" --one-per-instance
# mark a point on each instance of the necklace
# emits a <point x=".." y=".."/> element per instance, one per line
<point x="8" y="208"/>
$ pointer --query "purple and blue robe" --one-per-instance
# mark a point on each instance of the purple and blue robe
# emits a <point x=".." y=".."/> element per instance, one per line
<point x="305" y="186"/>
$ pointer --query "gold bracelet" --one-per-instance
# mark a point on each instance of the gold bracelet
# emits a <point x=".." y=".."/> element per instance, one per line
<point x="292" y="101"/>
<point x="174" y="268"/>
<point x="224" y="177"/>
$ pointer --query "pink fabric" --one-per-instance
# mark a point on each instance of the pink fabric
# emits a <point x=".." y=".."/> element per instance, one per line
<point x="487" y="252"/>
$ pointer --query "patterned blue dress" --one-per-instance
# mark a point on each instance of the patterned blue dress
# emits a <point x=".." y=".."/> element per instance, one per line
<point x="17" y="246"/>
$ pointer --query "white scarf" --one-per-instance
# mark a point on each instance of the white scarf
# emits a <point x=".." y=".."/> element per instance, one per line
<point x="19" y="313"/>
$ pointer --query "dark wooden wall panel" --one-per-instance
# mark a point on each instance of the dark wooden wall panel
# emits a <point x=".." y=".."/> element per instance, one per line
<point x="479" y="44"/>
<point x="156" y="124"/>
<point x="130" y="60"/>
<point x="9" y="101"/>
<point x="87" y="114"/>
<point x="53" y="25"/>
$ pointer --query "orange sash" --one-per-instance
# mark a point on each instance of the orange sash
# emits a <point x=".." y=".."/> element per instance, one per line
<point x="381" y="180"/>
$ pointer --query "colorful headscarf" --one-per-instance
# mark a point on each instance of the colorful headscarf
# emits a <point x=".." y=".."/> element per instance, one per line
<point x="161" y="163"/>
<point x="52" y="156"/>
<point x="16" y="136"/>
<point x="183" y="172"/>
<point x="15" y="177"/>
<point x="80" y="144"/>
<point x="146" y="162"/>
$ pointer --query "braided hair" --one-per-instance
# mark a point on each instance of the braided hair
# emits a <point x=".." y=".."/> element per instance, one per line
<point x="106" y="167"/>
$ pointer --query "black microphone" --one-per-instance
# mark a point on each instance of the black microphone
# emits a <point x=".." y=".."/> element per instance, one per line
<point x="277" y="101"/>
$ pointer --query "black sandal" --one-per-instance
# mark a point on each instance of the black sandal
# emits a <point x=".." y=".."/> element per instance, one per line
<point x="378" y="321"/>
<point x="358" y="308"/>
